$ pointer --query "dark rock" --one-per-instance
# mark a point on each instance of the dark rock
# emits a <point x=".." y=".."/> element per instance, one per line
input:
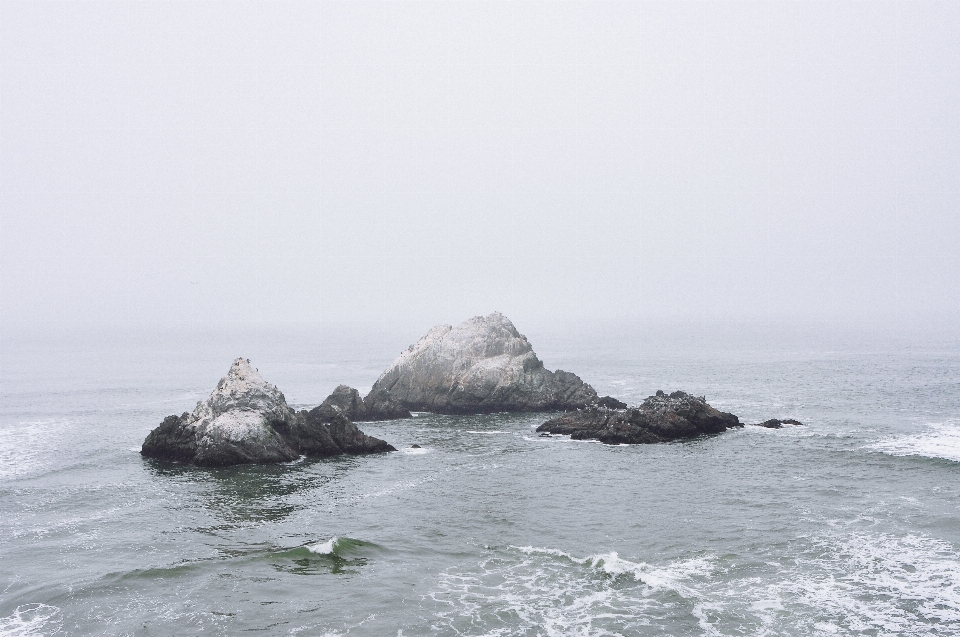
<point x="415" y="446"/>
<point x="247" y="420"/>
<point x="348" y="401"/>
<point x="382" y="406"/>
<point x="660" y="418"/>
<point x="483" y="365"/>
<point x="773" y="423"/>
<point x="609" y="402"/>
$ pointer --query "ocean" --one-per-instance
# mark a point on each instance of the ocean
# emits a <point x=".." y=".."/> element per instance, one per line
<point x="848" y="525"/>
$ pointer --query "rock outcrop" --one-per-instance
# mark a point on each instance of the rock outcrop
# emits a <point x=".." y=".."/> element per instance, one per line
<point x="773" y="423"/>
<point x="376" y="406"/>
<point x="483" y="365"/>
<point x="660" y="418"/>
<point x="247" y="420"/>
<point x="348" y="401"/>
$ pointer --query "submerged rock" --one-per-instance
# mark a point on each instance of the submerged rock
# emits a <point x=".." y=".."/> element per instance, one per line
<point x="658" y="419"/>
<point x="483" y="365"/>
<point x="247" y="420"/>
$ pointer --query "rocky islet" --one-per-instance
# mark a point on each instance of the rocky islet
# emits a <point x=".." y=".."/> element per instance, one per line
<point x="483" y="365"/>
<point x="247" y="420"/>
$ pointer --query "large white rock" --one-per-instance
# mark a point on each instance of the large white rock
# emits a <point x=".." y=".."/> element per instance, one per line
<point x="482" y="365"/>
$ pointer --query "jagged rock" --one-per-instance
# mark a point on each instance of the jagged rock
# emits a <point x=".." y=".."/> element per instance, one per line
<point x="348" y="400"/>
<point x="773" y="423"/>
<point x="382" y="406"/>
<point x="611" y="403"/>
<point x="247" y="420"/>
<point x="483" y="365"/>
<point x="658" y="419"/>
<point x="379" y="406"/>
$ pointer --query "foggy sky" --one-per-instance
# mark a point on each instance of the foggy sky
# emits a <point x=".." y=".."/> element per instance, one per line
<point x="201" y="163"/>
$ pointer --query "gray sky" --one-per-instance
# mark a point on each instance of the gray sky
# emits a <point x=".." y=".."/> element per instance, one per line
<point x="187" y="162"/>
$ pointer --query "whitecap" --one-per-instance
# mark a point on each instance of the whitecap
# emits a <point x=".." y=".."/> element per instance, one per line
<point x="850" y="583"/>
<point x="470" y="431"/>
<point x="324" y="548"/>
<point x="24" y="446"/>
<point x="29" y="620"/>
<point x="940" y="440"/>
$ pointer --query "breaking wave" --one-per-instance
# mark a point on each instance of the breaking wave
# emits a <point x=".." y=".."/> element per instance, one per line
<point x="875" y="584"/>
<point x="938" y="441"/>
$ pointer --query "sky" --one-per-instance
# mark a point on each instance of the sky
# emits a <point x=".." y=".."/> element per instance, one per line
<point x="192" y="163"/>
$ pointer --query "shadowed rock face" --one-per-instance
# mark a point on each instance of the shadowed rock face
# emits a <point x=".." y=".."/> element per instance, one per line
<point x="483" y="365"/>
<point x="376" y="406"/>
<point x="660" y="418"/>
<point x="247" y="420"/>
<point x="348" y="401"/>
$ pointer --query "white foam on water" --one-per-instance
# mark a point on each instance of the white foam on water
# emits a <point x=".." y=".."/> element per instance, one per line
<point x="399" y="486"/>
<point x="324" y="548"/>
<point x="25" y="446"/>
<point x="31" y="620"/>
<point x="546" y="591"/>
<point x="852" y="584"/>
<point x="940" y="440"/>
<point x="469" y="431"/>
<point x="415" y="452"/>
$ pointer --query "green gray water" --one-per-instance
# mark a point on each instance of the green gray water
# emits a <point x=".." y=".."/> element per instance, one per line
<point x="847" y="526"/>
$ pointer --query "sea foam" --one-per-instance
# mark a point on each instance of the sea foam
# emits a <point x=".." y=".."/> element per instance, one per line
<point x="941" y="440"/>
<point x="324" y="548"/>
<point x="29" y="620"/>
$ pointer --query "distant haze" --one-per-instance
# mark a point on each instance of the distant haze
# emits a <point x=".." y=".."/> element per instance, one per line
<point x="186" y="163"/>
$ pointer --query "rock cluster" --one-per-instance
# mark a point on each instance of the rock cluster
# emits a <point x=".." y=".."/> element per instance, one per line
<point x="660" y="418"/>
<point x="247" y="420"/>
<point x="483" y="365"/>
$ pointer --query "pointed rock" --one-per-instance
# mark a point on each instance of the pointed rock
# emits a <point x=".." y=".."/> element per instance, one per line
<point x="247" y="420"/>
<point x="483" y="365"/>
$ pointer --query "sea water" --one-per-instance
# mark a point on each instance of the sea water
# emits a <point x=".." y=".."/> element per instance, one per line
<point x="848" y="525"/>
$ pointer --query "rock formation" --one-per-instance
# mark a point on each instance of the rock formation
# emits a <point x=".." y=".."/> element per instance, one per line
<point x="660" y="418"/>
<point x="773" y="423"/>
<point x="483" y="365"/>
<point x="247" y="420"/>
<point x="348" y="401"/>
<point x="379" y="406"/>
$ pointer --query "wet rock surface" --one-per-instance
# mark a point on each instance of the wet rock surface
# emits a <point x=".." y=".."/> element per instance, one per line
<point x="376" y="406"/>
<point x="247" y="420"/>
<point x="660" y="418"/>
<point x="773" y="423"/>
<point x="483" y="365"/>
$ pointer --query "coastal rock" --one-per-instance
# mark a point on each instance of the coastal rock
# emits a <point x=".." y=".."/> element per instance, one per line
<point x="348" y="401"/>
<point x="376" y="406"/>
<point x="659" y="418"/>
<point x="383" y="406"/>
<point x="774" y="423"/>
<point x="483" y="365"/>
<point x="247" y="420"/>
